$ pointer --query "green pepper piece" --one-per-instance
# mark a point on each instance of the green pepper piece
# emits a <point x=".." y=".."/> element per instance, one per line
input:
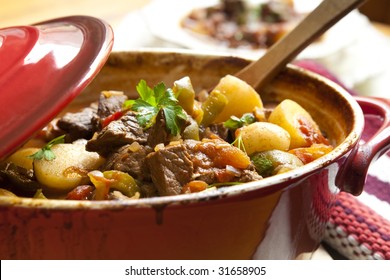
<point x="185" y="94"/>
<point x="213" y="106"/>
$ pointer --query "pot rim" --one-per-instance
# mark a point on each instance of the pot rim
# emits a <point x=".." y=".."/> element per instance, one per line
<point x="340" y="150"/>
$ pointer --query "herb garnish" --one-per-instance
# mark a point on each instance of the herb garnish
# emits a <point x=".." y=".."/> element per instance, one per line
<point x="46" y="152"/>
<point x="234" y="122"/>
<point x="239" y="143"/>
<point x="151" y="101"/>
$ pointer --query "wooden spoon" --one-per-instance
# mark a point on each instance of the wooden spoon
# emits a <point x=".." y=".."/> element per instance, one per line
<point x="260" y="72"/>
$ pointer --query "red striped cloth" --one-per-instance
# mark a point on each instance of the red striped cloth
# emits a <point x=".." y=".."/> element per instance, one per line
<point x="357" y="231"/>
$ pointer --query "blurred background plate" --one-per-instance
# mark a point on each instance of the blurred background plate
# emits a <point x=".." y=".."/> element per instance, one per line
<point x="163" y="17"/>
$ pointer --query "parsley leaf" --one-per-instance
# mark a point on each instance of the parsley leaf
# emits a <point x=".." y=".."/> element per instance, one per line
<point x="151" y="101"/>
<point x="234" y="122"/>
<point x="46" y="152"/>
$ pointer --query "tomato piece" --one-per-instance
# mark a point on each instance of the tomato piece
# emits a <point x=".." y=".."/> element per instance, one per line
<point x="194" y="186"/>
<point x="113" y="117"/>
<point x="83" y="192"/>
<point x="308" y="154"/>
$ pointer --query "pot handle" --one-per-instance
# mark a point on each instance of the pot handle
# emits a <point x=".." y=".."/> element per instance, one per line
<point x="354" y="171"/>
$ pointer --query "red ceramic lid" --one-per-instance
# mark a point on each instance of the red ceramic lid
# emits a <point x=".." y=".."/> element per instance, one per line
<point x="42" y="68"/>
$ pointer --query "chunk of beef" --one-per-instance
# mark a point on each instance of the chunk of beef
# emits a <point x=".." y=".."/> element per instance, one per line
<point x="117" y="133"/>
<point x="158" y="133"/>
<point x="224" y="175"/>
<point x="249" y="176"/>
<point x="171" y="168"/>
<point x="130" y="159"/>
<point x="78" y="125"/>
<point x="276" y="12"/>
<point x="203" y="165"/>
<point x="22" y="180"/>
<point x="234" y="9"/>
<point x="50" y="131"/>
<point x="208" y="170"/>
<point x="148" y="190"/>
<point x="219" y="130"/>
<point x="110" y="102"/>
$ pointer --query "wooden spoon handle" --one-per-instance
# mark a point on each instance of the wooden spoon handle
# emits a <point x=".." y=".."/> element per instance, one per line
<point x="260" y="72"/>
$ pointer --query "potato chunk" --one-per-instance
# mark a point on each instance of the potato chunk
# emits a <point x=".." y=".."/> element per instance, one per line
<point x="21" y="157"/>
<point x="297" y="121"/>
<point x="242" y="98"/>
<point x="69" y="169"/>
<point x="4" y="192"/>
<point x="262" y="136"/>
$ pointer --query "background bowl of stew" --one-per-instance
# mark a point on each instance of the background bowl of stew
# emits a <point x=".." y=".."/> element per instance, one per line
<point x="280" y="217"/>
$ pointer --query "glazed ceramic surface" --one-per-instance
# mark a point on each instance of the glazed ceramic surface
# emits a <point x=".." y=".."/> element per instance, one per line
<point x="43" y="67"/>
<point x="281" y="217"/>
